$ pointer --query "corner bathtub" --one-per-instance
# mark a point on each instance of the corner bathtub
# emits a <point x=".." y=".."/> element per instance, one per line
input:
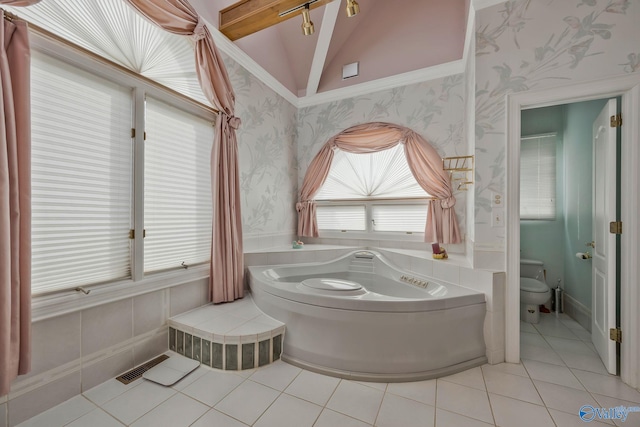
<point x="360" y="317"/>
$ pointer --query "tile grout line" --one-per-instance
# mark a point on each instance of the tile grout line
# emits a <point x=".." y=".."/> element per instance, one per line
<point x="435" y="403"/>
<point x="213" y="407"/>
<point x="384" y="394"/>
<point x="75" y="419"/>
<point x="565" y="366"/>
<point x="160" y="403"/>
<point x="539" y="395"/>
<point x="486" y="389"/>
<point x="274" y="400"/>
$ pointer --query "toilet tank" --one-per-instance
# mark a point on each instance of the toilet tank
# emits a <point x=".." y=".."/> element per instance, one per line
<point x="532" y="268"/>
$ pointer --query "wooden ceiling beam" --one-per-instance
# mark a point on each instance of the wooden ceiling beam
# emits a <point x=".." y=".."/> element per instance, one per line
<point x="249" y="16"/>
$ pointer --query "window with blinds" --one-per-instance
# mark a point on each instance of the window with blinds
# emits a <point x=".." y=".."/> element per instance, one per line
<point x="341" y="217"/>
<point x="81" y="177"/>
<point x="177" y="197"/>
<point x="399" y="218"/>
<point x="538" y="177"/>
<point x="373" y="192"/>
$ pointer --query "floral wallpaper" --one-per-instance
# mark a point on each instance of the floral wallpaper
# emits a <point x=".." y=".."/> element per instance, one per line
<point x="520" y="45"/>
<point x="435" y="109"/>
<point x="533" y="44"/>
<point x="267" y="155"/>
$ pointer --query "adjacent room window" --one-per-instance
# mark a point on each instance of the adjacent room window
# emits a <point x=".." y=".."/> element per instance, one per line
<point x="538" y="177"/>
<point x="373" y="192"/>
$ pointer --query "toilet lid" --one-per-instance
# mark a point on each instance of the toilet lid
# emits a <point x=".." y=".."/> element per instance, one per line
<point x="530" y="284"/>
<point x="331" y="284"/>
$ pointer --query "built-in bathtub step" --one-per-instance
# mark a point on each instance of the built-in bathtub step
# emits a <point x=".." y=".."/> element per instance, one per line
<point x="231" y="336"/>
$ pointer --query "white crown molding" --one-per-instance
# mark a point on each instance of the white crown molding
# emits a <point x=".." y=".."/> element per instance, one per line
<point x="483" y="4"/>
<point x="417" y="76"/>
<point x="411" y="77"/>
<point x="238" y="55"/>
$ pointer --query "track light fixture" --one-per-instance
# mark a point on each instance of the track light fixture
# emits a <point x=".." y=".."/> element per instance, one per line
<point x="352" y="8"/>
<point x="307" y="25"/>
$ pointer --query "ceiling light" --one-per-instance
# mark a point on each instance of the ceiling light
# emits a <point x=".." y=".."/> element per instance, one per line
<point x="352" y="8"/>
<point x="307" y="25"/>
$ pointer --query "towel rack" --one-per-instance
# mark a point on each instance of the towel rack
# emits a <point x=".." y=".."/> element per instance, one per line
<point x="460" y="170"/>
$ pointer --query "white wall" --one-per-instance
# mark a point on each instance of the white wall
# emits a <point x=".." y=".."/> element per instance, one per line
<point x="267" y="160"/>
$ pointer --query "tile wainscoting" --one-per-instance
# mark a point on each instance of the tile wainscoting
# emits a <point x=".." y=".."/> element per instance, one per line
<point x="77" y="351"/>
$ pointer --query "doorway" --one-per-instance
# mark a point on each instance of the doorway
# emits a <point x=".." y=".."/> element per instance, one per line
<point x="628" y="87"/>
<point x="557" y="228"/>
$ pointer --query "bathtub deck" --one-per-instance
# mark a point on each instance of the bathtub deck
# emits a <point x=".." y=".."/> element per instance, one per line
<point x="230" y="336"/>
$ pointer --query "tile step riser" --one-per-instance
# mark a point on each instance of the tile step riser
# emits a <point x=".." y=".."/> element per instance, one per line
<point x="226" y="356"/>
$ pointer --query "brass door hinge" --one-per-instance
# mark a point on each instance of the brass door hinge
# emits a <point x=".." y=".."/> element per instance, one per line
<point x="615" y="334"/>
<point x="132" y="234"/>
<point x="615" y="227"/>
<point x="616" y="121"/>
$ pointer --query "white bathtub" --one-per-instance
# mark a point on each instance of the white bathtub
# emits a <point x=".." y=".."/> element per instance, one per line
<point x="360" y="317"/>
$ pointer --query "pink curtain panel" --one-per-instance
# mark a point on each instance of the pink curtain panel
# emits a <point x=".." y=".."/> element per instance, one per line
<point x="178" y="17"/>
<point x="15" y="201"/>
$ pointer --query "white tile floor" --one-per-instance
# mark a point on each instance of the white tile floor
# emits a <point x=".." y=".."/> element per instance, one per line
<point x="559" y="373"/>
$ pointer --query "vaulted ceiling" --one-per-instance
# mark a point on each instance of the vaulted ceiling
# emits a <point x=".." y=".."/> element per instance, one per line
<point x="395" y="42"/>
<point x="388" y="38"/>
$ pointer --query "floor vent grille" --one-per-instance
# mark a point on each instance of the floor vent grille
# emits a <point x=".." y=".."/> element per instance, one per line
<point x="135" y="373"/>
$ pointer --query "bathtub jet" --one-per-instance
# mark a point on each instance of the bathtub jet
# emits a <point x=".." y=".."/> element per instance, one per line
<point x="360" y="317"/>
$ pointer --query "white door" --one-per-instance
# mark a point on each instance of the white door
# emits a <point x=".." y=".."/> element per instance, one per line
<point x="604" y="253"/>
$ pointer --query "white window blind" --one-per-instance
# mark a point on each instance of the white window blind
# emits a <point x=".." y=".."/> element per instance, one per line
<point x="81" y="177"/>
<point x="341" y="217"/>
<point x="538" y="177"/>
<point x="399" y="218"/>
<point x="177" y="198"/>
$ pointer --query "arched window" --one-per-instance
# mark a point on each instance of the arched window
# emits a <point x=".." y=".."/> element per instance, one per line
<point x="373" y="192"/>
<point x="422" y="160"/>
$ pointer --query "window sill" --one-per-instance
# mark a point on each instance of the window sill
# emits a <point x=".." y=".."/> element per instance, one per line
<point x="69" y="301"/>
<point x="373" y="235"/>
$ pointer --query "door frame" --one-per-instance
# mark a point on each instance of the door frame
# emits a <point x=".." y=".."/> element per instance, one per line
<point x="627" y="87"/>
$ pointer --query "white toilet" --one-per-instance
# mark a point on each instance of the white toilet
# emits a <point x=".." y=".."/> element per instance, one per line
<point x="533" y="290"/>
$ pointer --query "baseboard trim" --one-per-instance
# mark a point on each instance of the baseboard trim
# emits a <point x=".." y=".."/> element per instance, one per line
<point x="32" y="383"/>
<point x="577" y="311"/>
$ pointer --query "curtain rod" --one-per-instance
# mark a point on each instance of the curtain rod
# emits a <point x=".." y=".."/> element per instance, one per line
<point x="378" y="199"/>
<point x="48" y="34"/>
<point x="9" y="16"/>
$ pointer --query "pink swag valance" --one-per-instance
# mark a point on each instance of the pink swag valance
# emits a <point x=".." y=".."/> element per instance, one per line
<point x="424" y="162"/>
<point x="178" y="17"/>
